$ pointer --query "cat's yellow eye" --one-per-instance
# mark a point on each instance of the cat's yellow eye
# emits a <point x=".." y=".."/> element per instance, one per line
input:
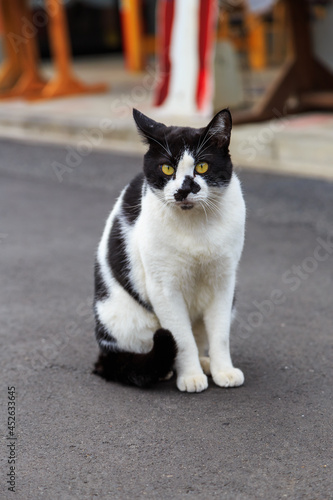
<point x="201" y="167"/>
<point x="167" y="170"/>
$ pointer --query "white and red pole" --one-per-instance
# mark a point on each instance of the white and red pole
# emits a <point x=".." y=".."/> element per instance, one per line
<point x="186" y="37"/>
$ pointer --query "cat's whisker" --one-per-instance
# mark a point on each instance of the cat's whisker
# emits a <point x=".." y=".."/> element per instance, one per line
<point x="165" y="202"/>
<point x="160" y="144"/>
<point x="167" y="145"/>
<point x="207" y="154"/>
<point x="207" y="138"/>
<point x="136" y="206"/>
<point x="202" y="204"/>
<point x="200" y="154"/>
<point x="215" y="203"/>
<point x="213" y="207"/>
<point x="202" y="142"/>
<point x="200" y="150"/>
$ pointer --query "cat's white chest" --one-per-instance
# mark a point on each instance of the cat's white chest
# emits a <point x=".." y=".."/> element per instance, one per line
<point x="189" y="255"/>
<point x="198" y="282"/>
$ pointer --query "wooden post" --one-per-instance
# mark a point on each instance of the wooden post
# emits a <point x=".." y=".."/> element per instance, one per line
<point x="10" y="70"/>
<point x="303" y="76"/>
<point x="132" y="33"/>
<point x="256" y="41"/>
<point x="65" y="82"/>
<point x="24" y="54"/>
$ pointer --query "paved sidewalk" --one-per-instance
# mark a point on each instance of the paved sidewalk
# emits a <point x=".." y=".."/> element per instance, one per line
<point x="300" y="145"/>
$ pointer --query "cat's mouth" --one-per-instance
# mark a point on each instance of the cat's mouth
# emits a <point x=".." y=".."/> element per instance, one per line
<point x="185" y="205"/>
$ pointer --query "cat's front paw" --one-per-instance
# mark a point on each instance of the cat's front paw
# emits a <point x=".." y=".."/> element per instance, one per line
<point x="232" y="377"/>
<point x="192" y="383"/>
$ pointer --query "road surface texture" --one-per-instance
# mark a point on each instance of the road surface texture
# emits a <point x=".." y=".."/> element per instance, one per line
<point x="79" y="437"/>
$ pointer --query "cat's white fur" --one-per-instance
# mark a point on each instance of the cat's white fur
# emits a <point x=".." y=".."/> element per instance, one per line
<point x="184" y="263"/>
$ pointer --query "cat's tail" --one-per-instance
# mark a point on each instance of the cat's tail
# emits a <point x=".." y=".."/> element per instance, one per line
<point x="140" y="369"/>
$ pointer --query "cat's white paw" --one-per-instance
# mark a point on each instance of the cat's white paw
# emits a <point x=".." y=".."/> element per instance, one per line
<point x="192" y="383"/>
<point x="205" y="364"/>
<point x="232" y="377"/>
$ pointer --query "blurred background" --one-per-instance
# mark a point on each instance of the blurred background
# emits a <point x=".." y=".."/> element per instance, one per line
<point x="72" y="65"/>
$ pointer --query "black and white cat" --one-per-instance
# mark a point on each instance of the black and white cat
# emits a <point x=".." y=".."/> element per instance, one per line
<point x="166" y="264"/>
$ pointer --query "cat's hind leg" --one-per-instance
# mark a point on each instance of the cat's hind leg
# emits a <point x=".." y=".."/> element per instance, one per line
<point x="205" y="365"/>
<point x="134" y="349"/>
<point x="141" y="369"/>
<point x="200" y="335"/>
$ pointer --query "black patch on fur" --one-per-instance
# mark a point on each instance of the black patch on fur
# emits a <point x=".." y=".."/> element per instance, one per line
<point x="118" y="261"/>
<point x="102" y="334"/>
<point x="141" y="370"/>
<point x="167" y="145"/>
<point x="101" y="291"/>
<point x="189" y="186"/>
<point x="131" y="207"/>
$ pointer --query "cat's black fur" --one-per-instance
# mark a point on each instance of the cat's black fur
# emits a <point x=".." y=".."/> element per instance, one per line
<point x="141" y="370"/>
<point x="118" y="262"/>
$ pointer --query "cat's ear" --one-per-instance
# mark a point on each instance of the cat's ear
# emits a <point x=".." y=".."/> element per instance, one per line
<point x="147" y="127"/>
<point x="219" y="128"/>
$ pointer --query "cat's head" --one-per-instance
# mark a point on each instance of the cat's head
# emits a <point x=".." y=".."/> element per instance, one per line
<point x="187" y="167"/>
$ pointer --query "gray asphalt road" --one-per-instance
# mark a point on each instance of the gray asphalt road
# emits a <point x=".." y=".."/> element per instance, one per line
<point x="79" y="437"/>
